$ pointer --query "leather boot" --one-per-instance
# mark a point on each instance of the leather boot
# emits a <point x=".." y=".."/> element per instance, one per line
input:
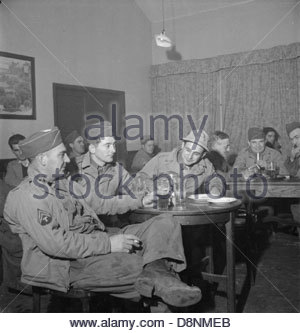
<point x="158" y="280"/>
<point x="156" y="306"/>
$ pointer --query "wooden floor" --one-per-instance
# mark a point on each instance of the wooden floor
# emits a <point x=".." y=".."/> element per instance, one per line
<point x="276" y="289"/>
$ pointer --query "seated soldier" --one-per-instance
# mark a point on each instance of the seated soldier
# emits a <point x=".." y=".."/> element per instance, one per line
<point x="257" y="155"/>
<point x="196" y="174"/>
<point x="272" y="136"/>
<point x="109" y="180"/>
<point x="190" y="163"/>
<point x="17" y="169"/>
<point x="219" y="149"/>
<point x="65" y="245"/>
<point x="254" y="160"/>
<point x="76" y="148"/>
<point x="292" y="162"/>
<point x="144" y="155"/>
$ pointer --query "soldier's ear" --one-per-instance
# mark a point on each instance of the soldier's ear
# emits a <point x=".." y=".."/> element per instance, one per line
<point x="92" y="148"/>
<point x="43" y="159"/>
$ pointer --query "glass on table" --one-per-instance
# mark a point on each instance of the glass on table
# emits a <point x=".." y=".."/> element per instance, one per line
<point x="163" y="193"/>
<point x="139" y="187"/>
<point x="179" y="194"/>
<point x="272" y="169"/>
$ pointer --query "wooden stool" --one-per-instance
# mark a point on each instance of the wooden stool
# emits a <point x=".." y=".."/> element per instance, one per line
<point x="83" y="295"/>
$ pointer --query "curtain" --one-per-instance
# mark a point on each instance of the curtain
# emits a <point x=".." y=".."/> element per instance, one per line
<point x="260" y="96"/>
<point x="192" y="95"/>
<point x="237" y="91"/>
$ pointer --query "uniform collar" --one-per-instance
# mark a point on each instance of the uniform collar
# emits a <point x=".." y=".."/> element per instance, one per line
<point x="90" y="167"/>
<point x="35" y="175"/>
<point x="25" y="163"/>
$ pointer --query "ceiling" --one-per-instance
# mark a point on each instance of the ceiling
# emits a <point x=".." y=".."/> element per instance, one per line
<point x="175" y="9"/>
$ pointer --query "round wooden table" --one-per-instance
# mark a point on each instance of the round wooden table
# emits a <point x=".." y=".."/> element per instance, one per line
<point x="194" y="213"/>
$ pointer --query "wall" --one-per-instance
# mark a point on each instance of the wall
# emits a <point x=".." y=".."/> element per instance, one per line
<point x="103" y="44"/>
<point x="257" y="24"/>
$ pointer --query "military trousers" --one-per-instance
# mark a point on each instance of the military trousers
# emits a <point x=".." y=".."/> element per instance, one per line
<point x="116" y="273"/>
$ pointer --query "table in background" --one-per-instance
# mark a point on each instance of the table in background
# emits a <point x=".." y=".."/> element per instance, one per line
<point x="205" y="214"/>
<point x="276" y="188"/>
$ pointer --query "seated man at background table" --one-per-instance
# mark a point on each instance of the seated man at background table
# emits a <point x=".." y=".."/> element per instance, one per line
<point x="292" y="162"/>
<point x="66" y="245"/>
<point x="219" y="150"/>
<point x="144" y="155"/>
<point x="254" y="160"/>
<point x="17" y="169"/>
<point x="272" y="136"/>
<point x="257" y="155"/>
<point x="76" y="148"/>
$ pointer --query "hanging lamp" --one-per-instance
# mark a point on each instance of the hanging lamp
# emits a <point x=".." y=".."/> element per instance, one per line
<point x="162" y="40"/>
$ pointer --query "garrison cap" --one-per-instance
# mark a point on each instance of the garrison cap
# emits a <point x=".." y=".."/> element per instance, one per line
<point x="145" y="139"/>
<point x="255" y="133"/>
<point x="40" y="142"/>
<point x="290" y="127"/>
<point x="97" y="130"/>
<point x="71" y="137"/>
<point x="200" y="141"/>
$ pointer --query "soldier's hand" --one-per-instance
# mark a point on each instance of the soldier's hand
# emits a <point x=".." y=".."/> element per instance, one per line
<point x="124" y="243"/>
<point x="295" y="152"/>
<point x="69" y="206"/>
<point x="262" y="164"/>
<point x="82" y="219"/>
<point x="249" y="171"/>
<point x="79" y="208"/>
<point x="148" y="200"/>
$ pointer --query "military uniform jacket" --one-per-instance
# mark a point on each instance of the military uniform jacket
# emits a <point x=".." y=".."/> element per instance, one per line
<point x="293" y="167"/>
<point x="108" y="188"/>
<point x="168" y="161"/>
<point x="246" y="158"/>
<point x="139" y="160"/>
<point x="55" y="227"/>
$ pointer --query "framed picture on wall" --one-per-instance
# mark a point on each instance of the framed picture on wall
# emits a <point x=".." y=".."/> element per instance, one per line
<point x="17" y="86"/>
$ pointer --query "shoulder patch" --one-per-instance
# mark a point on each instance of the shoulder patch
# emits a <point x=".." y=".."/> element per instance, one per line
<point x="44" y="218"/>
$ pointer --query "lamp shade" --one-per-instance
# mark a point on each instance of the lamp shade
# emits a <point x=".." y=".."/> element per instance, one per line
<point x="163" y="40"/>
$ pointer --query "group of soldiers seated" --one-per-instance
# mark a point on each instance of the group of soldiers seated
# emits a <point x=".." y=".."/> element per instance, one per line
<point x="65" y="195"/>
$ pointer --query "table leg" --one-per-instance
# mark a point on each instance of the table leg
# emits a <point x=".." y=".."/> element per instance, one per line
<point x="209" y="251"/>
<point x="230" y="267"/>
